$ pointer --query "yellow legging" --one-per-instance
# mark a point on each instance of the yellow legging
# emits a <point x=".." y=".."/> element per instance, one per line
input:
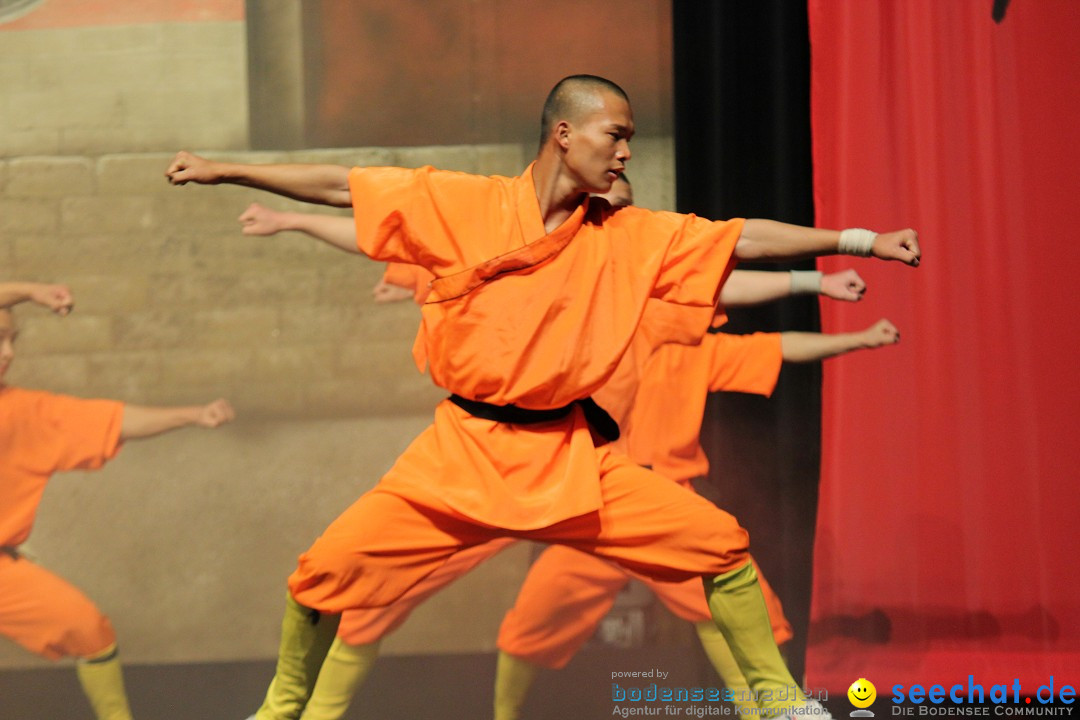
<point x="103" y="683"/>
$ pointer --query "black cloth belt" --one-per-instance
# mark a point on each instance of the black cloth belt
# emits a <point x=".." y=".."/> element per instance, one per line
<point x="13" y="552"/>
<point x="596" y="416"/>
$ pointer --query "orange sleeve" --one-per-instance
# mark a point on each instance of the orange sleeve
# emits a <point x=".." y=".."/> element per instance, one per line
<point x="698" y="262"/>
<point x="437" y="219"/>
<point x="697" y="257"/>
<point x="743" y="363"/>
<point x="73" y="433"/>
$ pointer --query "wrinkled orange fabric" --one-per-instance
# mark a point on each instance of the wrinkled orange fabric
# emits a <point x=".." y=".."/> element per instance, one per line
<point x="546" y="321"/>
<point x="567" y="593"/>
<point x="565" y="304"/>
<point x="48" y="615"/>
<point x="664" y="427"/>
<point x="657" y="395"/>
<point x="384" y="543"/>
<point x="361" y="627"/>
<point x="520" y="316"/>
<point x="40" y="434"/>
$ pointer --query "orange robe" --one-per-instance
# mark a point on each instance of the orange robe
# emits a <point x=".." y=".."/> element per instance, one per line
<point x="520" y="316"/>
<point x="567" y="593"/>
<point x="664" y="428"/>
<point x="41" y="434"/>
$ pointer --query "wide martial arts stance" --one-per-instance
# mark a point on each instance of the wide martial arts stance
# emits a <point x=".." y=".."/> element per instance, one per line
<point x="355" y="649"/>
<point x="40" y="434"/>
<point x="537" y="295"/>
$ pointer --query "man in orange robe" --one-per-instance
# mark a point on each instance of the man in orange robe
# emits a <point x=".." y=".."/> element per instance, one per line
<point x="537" y="294"/>
<point x="41" y="434"/>
<point x="355" y="649"/>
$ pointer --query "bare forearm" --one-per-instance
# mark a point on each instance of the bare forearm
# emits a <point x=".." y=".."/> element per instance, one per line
<point x="13" y="293"/>
<point x="339" y="232"/>
<point x="772" y="240"/>
<point x="809" y="347"/>
<point x="143" y="422"/>
<point x="801" y="347"/>
<point x="54" y="297"/>
<point x="752" y="287"/>
<point x="321" y="184"/>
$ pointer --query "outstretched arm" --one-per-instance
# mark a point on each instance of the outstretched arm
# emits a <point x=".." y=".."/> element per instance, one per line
<point x="55" y="297"/>
<point x="141" y="421"/>
<point x="810" y="347"/>
<point x="753" y="287"/>
<point x="321" y="184"/>
<point x="772" y="240"/>
<point x="843" y="285"/>
<point x="333" y="230"/>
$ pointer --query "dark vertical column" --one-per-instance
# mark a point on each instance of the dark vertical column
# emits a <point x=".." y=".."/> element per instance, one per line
<point x="742" y="132"/>
<point x="275" y="74"/>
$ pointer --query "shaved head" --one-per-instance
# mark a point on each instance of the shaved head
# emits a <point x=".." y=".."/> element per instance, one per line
<point x="572" y="98"/>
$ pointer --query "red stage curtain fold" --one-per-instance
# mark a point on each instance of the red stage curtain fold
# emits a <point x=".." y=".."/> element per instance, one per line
<point x="947" y="537"/>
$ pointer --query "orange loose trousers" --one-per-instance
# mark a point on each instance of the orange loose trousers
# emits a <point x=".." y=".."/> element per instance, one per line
<point x="521" y="315"/>
<point x="47" y="615"/>
<point x="362" y="627"/>
<point x="387" y="541"/>
<point x="567" y="593"/>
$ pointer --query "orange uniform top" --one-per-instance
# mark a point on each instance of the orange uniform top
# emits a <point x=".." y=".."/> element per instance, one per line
<point x="520" y="316"/>
<point x="664" y="426"/>
<point x="565" y="304"/>
<point x="40" y="434"/>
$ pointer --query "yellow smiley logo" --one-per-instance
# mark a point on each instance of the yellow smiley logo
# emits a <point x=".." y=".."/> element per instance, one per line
<point x="862" y="693"/>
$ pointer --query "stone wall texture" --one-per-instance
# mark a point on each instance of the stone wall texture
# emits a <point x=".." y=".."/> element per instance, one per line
<point x="186" y="540"/>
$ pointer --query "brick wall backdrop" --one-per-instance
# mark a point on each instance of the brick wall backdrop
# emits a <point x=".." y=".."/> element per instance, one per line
<point x="121" y="87"/>
<point x="186" y="540"/>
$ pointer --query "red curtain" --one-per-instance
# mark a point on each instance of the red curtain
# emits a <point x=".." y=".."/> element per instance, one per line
<point x="947" y="540"/>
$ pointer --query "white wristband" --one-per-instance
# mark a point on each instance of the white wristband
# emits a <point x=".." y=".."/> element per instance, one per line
<point x="805" y="282"/>
<point x="856" y="241"/>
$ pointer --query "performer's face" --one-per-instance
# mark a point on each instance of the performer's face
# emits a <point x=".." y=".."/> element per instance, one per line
<point x="7" y="341"/>
<point x="598" y="146"/>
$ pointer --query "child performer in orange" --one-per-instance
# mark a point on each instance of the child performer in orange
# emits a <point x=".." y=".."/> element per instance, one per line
<point x="538" y="293"/>
<point x="41" y="434"/>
